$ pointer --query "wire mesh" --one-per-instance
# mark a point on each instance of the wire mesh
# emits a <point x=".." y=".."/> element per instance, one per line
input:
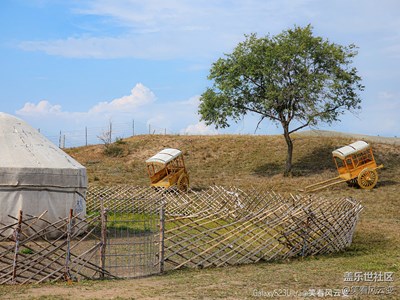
<point x="133" y="228"/>
<point x="132" y="243"/>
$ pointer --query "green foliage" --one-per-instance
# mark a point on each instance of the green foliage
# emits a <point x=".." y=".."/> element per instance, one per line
<point x="120" y="141"/>
<point x="114" y="150"/>
<point x="291" y="76"/>
<point x="26" y="251"/>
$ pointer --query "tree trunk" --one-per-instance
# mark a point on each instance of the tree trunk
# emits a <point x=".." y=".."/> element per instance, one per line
<point x="289" y="142"/>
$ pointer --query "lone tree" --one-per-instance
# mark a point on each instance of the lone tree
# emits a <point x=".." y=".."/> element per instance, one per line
<point x="295" y="79"/>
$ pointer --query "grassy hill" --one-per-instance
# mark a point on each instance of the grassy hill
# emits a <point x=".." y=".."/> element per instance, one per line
<point x="240" y="160"/>
<point x="251" y="161"/>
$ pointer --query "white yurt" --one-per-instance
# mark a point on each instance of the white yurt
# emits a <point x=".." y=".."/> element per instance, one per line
<point x="37" y="176"/>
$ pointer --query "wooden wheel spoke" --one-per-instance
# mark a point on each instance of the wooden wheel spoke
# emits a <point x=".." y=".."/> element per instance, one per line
<point x="367" y="178"/>
<point x="183" y="182"/>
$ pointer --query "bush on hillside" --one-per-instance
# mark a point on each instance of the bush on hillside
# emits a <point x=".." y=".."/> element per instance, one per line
<point x="113" y="150"/>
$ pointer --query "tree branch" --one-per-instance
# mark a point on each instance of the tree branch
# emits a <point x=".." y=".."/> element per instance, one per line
<point x="314" y="116"/>
<point x="260" y="112"/>
<point x="254" y="82"/>
<point x="258" y="124"/>
<point x="298" y="128"/>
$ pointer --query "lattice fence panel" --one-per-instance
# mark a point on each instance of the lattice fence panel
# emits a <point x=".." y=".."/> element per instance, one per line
<point x="34" y="250"/>
<point x="228" y="226"/>
<point x="135" y="231"/>
<point x="238" y="227"/>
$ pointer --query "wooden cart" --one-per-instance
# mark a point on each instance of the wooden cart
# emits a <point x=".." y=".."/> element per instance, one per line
<point x="167" y="168"/>
<point x="356" y="165"/>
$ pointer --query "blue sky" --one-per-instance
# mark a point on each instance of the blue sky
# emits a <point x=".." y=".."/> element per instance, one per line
<point x="70" y="64"/>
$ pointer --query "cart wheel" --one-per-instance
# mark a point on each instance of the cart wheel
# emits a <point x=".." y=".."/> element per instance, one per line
<point x="183" y="183"/>
<point x="367" y="178"/>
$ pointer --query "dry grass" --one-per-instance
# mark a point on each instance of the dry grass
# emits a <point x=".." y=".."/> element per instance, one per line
<point x="250" y="161"/>
<point x="225" y="159"/>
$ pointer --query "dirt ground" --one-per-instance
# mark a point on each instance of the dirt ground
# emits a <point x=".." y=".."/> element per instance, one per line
<point x="242" y="282"/>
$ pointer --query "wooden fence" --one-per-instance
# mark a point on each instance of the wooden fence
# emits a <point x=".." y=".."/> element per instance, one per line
<point x="136" y="231"/>
<point x="235" y="227"/>
<point x="34" y="250"/>
<point x="228" y="226"/>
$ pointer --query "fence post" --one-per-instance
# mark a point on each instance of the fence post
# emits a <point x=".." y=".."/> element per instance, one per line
<point x="17" y="234"/>
<point x="103" y="242"/>
<point x="162" y="230"/>
<point x="110" y="132"/>
<point x="86" y="135"/>
<point x="67" y="274"/>
<point x="305" y="236"/>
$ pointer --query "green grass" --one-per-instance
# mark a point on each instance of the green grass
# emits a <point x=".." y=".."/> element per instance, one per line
<point x="26" y="251"/>
<point x="133" y="222"/>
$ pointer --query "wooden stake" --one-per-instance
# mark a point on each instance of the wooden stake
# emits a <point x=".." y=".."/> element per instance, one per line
<point x="17" y="234"/>
<point x="67" y="274"/>
<point x="162" y="230"/>
<point x="103" y="241"/>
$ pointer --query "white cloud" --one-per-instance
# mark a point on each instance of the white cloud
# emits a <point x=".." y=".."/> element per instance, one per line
<point x="199" y="129"/>
<point x="140" y="105"/>
<point x="189" y="15"/>
<point x="140" y="95"/>
<point x="157" y="29"/>
<point x="142" y="46"/>
<point x="193" y="101"/>
<point x="172" y="116"/>
<point x="43" y="107"/>
<point x="160" y="123"/>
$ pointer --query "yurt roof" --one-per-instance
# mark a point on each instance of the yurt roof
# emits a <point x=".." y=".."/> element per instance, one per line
<point x="29" y="158"/>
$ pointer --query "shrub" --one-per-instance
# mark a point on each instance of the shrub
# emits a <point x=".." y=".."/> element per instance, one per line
<point x="120" y="141"/>
<point x="113" y="150"/>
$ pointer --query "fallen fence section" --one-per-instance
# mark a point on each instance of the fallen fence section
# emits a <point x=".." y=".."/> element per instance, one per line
<point x="139" y="231"/>
<point x="233" y="227"/>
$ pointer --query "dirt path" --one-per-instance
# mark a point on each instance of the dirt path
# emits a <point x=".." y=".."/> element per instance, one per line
<point x="189" y="284"/>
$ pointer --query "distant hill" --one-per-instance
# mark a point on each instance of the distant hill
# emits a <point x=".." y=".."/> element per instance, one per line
<point x="367" y="138"/>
